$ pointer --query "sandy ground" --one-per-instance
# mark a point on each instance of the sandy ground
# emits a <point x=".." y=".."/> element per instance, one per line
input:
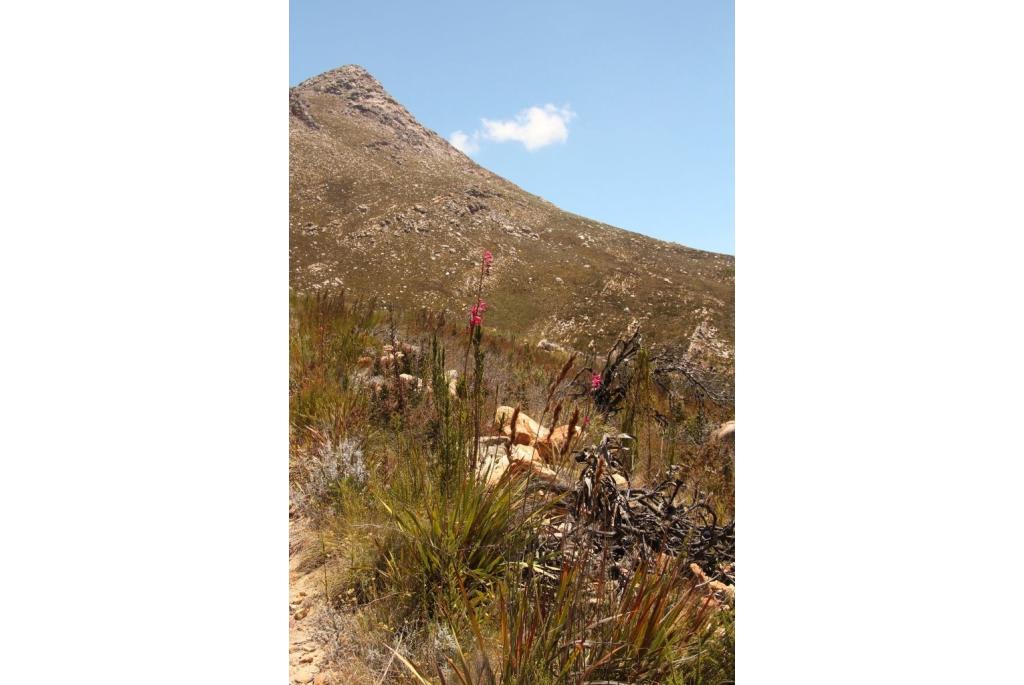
<point x="305" y="655"/>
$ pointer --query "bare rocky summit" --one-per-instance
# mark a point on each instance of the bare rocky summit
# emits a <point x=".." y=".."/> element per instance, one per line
<point x="384" y="207"/>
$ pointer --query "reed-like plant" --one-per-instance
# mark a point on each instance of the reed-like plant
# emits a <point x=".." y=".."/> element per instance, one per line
<point x="415" y="543"/>
<point x="582" y="630"/>
<point x="459" y="537"/>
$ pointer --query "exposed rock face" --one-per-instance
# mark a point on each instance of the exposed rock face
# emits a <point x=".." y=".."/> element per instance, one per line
<point x="300" y="110"/>
<point x="556" y="442"/>
<point x="492" y="462"/>
<point x="527" y="434"/>
<point x="361" y="95"/>
<point x="526" y="430"/>
<point x="384" y="207"/>
<point x="497" y="456"/>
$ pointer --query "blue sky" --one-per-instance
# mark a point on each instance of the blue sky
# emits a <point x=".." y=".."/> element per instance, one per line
<point x="633" y="123"/>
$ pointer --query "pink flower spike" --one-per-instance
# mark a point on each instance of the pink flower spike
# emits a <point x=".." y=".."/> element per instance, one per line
<point x="488" y="258"/>
<point x="476" y="313"/>
<point x="595" y="381"/>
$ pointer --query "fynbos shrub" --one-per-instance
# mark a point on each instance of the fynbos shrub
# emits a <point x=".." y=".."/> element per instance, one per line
<point x="324" y="470"/>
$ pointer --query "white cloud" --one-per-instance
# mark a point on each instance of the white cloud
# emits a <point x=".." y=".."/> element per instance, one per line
<point x="465" y="143"/>
<point x="534" y="127"/>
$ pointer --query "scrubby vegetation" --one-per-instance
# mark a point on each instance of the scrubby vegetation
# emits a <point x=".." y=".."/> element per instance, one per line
<point x="606" y="558"/>
<point x="379" y="204"/>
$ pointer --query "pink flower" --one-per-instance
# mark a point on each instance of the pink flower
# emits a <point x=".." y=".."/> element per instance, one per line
<point x="486" y="264"/>
<point x="586" y="421"/>
<point x="595" y="382"/>
<point x="476" y="313"/>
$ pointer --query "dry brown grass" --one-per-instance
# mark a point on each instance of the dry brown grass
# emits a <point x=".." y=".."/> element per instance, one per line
<point x="371" y="537"/>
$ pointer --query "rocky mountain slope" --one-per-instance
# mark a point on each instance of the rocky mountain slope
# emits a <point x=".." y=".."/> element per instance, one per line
<point x="381" y="206"/>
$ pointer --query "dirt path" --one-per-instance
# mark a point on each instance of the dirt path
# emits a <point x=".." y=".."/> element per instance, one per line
<point x="305" y="655"/>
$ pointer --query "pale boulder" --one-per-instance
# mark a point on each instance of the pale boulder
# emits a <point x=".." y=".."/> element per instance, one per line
<point x="537" y="468"/>
<point x="496" y="457"/>
<point x="527" y="458"/>
<point x="555" y="442"/>
<point x="525" y="453"/>
<point x="526" y="430"/>
<point x="492" y="466"/>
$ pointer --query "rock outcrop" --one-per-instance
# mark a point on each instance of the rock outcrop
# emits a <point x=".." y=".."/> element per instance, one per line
<point x="496" y="458"/>
<point x="523" y="445"/>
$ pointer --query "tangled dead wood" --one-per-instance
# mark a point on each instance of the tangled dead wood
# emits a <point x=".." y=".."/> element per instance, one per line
<point x="614" y="381"/>
<point x="621" y="527"/>
<point x="619" y="368"/>
<point x="715" y="389"/>
<point x="614" y="377"/>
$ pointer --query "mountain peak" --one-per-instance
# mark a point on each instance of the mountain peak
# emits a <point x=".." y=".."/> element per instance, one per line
<point x="359" y="94"/>
<point x="350" y="79"/>
<point x="387" y="209"/>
